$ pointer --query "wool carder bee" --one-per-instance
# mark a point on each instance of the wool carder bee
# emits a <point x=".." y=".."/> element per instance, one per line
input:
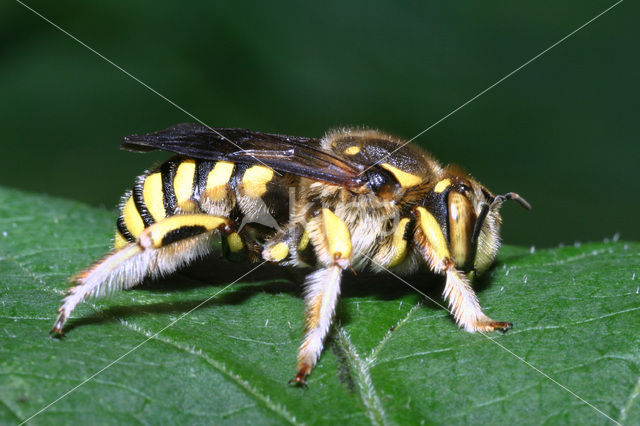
<point x="353" y="200"/>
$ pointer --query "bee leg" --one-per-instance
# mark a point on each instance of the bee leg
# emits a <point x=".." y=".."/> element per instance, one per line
<point x="160" y="249"/>
<point x="321" y="296"/>
<point x="465" y="306"/>
<point x="332" y="243"/>
<point x="462" y="300"/>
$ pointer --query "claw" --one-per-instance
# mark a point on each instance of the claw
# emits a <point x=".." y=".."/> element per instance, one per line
<point x="501" y="325"/>
<point x="57" y="327"/>
<point x="299" y="380"/>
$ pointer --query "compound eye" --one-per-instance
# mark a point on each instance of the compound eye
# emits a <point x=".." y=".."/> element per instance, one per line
<point x="383" y="183"/>
<point x="461" y="222"/>
<point x="464" y="188"/>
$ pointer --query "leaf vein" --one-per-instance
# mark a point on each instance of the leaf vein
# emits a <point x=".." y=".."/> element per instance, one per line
<point x="241" y="382"/>
<point x="563" y="261"/>
<point x="57" y="249"/>
<point x="371" y="360"/>
<point x="559" y="326"/>
<point x="11" y="410"/>
<point x="221" y="367"/>
<point x="624" y="411"/>
<point x="372" y="402"/>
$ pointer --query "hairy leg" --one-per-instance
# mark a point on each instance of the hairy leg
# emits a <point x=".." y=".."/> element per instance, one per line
<point x="161" y="248"/>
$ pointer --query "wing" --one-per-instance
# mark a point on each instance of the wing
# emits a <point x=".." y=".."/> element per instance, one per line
<point x="289" y="154"/>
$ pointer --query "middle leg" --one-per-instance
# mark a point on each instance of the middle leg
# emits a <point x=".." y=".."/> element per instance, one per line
<point x="332" y="243"/>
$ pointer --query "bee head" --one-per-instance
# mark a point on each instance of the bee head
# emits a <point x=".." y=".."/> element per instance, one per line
<point x="468" y="215"/>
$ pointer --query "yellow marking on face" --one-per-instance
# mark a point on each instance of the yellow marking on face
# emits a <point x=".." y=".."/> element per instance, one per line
<point x="304" y="241"/>
<point x="153" y="196"/>
<point x="432" y="232"/>
<point x="337" y="234"/>
<point x="119" y="241"/>
<point x="352" y="150"/>
<point x="405" y="179"/>
<point x="255" y="179"/>
<point x="399" y="244"/>
<point x="279" y="252"/>
<point x="217" y="180"/>
<point x="442" y="185"/>
<point x="183" y="181"/>
<point x="132" y="219"/>
<point x="153" y="235"/>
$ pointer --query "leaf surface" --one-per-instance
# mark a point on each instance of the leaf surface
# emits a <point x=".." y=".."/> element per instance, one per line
<point x="394" y="357"/>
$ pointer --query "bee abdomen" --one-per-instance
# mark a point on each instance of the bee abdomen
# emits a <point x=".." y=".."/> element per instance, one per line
<point x="214" y="183"/>
<point x="186" y="185"/>
<point x="170" y="189"/>
<point x="244" y="192"/>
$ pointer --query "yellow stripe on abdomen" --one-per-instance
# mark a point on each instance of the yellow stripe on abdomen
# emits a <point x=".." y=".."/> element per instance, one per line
<point x="255" y="179"/>
<point x="119" y="241"/>
<point x="217" y="180"/>
<point x="132" y="219"/>
<point x="153" y="196"/>
<point x="183" y="182"/>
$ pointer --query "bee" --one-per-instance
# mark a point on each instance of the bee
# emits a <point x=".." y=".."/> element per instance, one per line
<point x="355" y="199"/>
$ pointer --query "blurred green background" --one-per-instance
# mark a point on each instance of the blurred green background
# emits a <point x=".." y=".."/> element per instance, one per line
<point x="562" y="131"/>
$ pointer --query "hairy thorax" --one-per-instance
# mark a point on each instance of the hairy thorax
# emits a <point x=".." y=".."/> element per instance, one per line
<point x="370" y="220"/>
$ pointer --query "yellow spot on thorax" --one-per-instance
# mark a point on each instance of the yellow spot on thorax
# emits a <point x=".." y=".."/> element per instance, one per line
<point x="217" y="180"/>
<point x="399" y="244"/>
<point x="235" y="242"/>
<point x="279" y="252"/>
<point x="153" y="196"/>
<point x="132" y="219"/>
<point x="338" y="236"/>
<point x="442" y="185"/>
<point x="119" y="241"/>
<point x="255" y="179"/>
<point x="352" y="150"/>
<point x="183" y="182"/>
<point x="405" y="179"/>
<point x="432" y="232"/>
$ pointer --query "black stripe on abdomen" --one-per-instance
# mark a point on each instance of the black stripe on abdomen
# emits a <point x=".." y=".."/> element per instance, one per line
<point x="138" y="199"/>
<point x="122" y="228"/>
<point x="168" y="171"/>
<point x="203" y="167"/>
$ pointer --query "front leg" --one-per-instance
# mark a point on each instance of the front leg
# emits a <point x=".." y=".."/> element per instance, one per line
<point x="465" y="306"/>
<point x="332" y="243"/>
<point x="462" y="300"/>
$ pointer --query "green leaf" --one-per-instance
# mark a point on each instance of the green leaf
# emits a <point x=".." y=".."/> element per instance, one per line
<point x="394" y="357"/>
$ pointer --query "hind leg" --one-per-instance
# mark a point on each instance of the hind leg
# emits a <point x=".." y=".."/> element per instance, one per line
<point x="160" y="249"/>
